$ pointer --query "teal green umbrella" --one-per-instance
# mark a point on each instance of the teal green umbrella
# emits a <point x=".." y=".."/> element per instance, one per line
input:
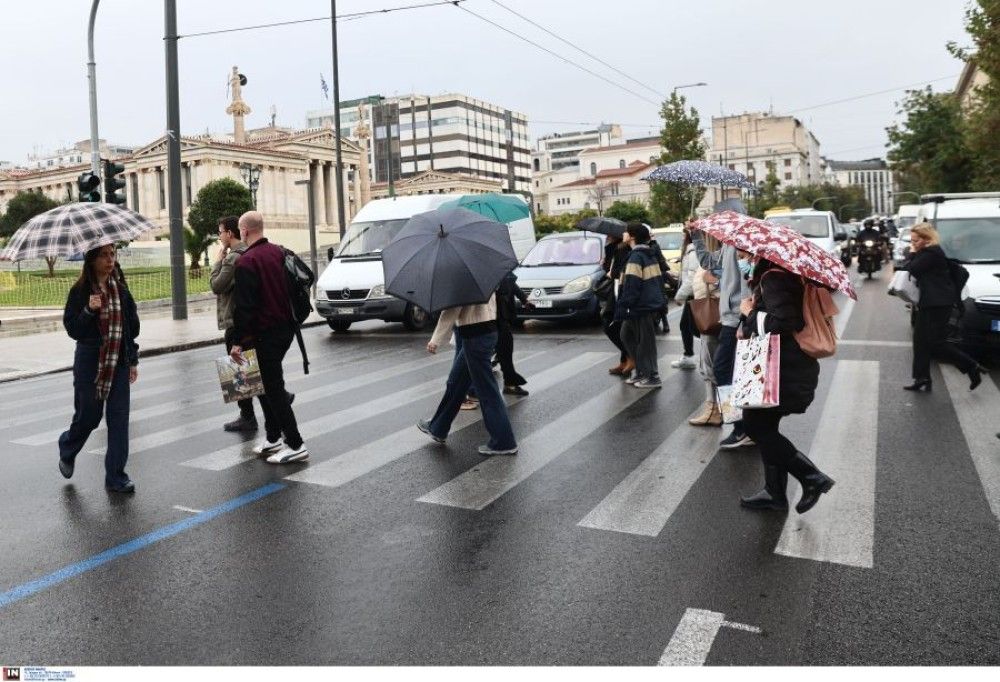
<point x="504" y="208"/>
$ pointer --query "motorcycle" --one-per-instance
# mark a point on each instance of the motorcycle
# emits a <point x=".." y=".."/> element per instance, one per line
<point x="869" y="257"/>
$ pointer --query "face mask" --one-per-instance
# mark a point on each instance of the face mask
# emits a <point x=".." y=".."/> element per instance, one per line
<point x="746" y="267"/>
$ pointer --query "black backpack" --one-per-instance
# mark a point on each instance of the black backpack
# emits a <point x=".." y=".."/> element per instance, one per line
<point x="300" y="282"/>
<point x="959" y="276"/>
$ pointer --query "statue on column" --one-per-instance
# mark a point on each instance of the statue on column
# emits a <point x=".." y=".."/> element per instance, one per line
<point x="363" y="133"/>
<point x="237" y="108"/>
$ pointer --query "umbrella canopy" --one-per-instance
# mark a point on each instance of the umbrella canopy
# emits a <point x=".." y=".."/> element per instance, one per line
<point x="503" y="208"/>
<point x="781" y="245"/>
<point x="608" y="226"/>
<point x="447" y="258"/>
<point x="699" y="173"/>
<point x="74" y="228"/>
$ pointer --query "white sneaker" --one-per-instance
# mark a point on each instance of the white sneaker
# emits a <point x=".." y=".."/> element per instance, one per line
<point x="686" y="362"/>
<point x="266" y="447"/>
<point x="287" y="455"/>
<point x="634" y="378"/>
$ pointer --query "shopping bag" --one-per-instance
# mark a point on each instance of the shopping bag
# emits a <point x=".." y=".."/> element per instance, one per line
<point x="757" y="372"/>
<point x="904" y="287"/>
<point x="730" y="413"/>
<point x="240" y="381"/>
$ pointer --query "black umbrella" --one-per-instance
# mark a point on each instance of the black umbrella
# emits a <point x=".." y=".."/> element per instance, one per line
<point x="447" y="258"/>
<point x="609" y="226"/>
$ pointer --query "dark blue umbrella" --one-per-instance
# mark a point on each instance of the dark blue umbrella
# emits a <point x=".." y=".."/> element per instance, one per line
<point x="699" y="173"/>
<point x="601" y="225"/>
<point x="447" y="258"/>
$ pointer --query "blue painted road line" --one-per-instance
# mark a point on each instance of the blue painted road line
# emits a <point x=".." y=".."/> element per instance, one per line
<point x="27" y="589"/>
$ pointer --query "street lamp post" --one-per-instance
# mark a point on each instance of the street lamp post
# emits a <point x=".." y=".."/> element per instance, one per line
<point x="310" y="202"/>
<point x="95" y="152"/>
<point x="339" y="180"/>
<point x="175" y="209"/>
<point x="819" y="200"/>
<point x="251" y="176"/>
<point x="844" y="208"/>
<point x="689" y="85"/>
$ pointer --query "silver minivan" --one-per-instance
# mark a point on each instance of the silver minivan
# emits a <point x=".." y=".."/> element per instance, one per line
<point x="559" y="274"/>
<point x="820" y="227"/>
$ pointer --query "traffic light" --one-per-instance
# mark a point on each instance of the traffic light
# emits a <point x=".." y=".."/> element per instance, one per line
<point x="112" y="183"/>
<point x="88" y="185"/>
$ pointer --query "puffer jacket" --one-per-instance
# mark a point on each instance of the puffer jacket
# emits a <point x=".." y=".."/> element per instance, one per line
<point x="641" y="291"/>
<point x="689" y="266"/>
<point x="779" y="294"/>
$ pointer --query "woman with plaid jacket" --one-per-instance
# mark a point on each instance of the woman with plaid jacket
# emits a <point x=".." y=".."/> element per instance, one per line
<point x="101" y="316"/>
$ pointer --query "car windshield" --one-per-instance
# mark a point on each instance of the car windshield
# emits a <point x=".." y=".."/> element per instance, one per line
<point x="369" y="238"/>
<point x="904" y="234"/>
<point x="565" y="251"/>
<point x="812" y="226"/>
<point x="906" y="221"/>
<point x="670" y="241"/>
<point x="971" y="240"/>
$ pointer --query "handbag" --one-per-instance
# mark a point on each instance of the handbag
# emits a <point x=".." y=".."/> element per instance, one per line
<point x="705" y="313"/>
<point x="904" y="287"/>
<point x="757" y="372"/>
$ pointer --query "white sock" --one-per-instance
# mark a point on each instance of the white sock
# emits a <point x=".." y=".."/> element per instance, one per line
<point x="709" y="392"/>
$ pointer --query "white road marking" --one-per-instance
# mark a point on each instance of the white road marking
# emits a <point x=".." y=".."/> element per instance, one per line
<point x="874" y="344"/>
<point x="643" y="502"/>
<point x="841" y="527"/>
<point x="846" y="305"/>
<point x="741" y="626"/>
<point x="979" y="414"/>
<point x="693" y="638"/>
<point x="371" y="456"/>
<point x="480" y="486"/>
<point x="187" y="509"/>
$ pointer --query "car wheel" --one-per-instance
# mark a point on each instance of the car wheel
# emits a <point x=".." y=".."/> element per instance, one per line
<point x="338" y="326"/>
<point x="415" y="318"/>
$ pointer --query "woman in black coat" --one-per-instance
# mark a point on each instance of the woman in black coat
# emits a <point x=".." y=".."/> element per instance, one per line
<point x="938" y="296"/>
<point x="778" y="294"/>
<point x="616" y="253"/>
<point x="101" y="317"/>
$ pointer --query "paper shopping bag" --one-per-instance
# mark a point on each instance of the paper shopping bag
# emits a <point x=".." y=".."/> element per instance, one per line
<point x="757" y="372"/>
<point x="240" y="381"/>
<point x="730" y="413"/>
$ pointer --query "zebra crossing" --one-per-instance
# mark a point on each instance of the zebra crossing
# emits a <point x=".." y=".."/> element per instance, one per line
<point x="840" y="432"/>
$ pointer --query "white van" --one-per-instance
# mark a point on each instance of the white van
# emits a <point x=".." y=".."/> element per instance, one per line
<point x="352" y="287"/>
<point x="820" y="227"/>
<point x="907" y="215"/>
<point x="969" y="225"/>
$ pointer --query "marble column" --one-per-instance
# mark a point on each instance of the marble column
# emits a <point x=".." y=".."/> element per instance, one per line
<point x="319" y="191"/>
<point x="328" y="192"/>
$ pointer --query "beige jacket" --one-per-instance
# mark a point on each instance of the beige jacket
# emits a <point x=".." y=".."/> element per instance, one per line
<point x="223" y="282"/>
<point x="461" y="317"/>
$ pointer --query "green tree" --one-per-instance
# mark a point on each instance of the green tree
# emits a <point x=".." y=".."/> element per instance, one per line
<point x="215" y="200"/>
<point x="564" y="222"/>
<point x="20" y="209"/>
<point x="681" y="138"/>
<point x="928" y="149"/>
<point x="629" y="212"/>
<point x="770" y="192"/>
<point x="982" y="119"/>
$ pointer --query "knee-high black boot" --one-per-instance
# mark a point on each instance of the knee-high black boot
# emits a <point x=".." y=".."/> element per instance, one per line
<point x="814" y="482"/>
<point x="772" y="496"/>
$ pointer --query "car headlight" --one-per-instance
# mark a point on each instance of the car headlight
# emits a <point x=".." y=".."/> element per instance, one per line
<point x="320" y="294"/>
<point x="869" y="243"/>
<point x="577" y="285"/>
<point x="378" y="291"/>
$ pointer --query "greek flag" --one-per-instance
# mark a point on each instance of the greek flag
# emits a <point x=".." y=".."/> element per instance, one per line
<point x="324" y="86"/>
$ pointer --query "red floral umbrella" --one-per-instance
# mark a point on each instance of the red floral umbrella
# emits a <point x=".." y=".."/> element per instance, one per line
<point x="781" y="245"/>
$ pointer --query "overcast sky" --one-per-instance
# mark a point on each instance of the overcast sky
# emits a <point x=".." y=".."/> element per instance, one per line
<point x="754" y="54"/>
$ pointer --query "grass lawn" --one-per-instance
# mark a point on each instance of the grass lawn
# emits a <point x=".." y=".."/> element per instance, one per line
<point x="36" y="289"/>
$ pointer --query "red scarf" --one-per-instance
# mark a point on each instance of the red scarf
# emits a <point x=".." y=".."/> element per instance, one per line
<point x="110" y="325"/>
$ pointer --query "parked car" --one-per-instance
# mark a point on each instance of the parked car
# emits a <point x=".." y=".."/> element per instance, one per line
<point x="821" y="228"/>
<point x="670" y="239"/>
<point x="559" y="274"/>
<point x="901" y="249"/>
<point x="352" y="287"/>
<point x="969" y="225"/>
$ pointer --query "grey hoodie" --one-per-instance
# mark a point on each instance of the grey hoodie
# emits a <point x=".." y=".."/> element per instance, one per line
<point x="733" y="288"/>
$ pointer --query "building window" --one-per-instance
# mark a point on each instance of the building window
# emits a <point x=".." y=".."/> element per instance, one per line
<point x="788" y="176"/>
<point x="732" y="166"/>
<point x="593" y="168"/>
<point x="536" y="181"/>
<point x="537" y="165"/>
<point x="621" y="163"/>
<point x="788" y="163"/>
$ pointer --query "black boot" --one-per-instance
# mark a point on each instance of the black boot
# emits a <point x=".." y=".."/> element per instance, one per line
<point x="919" y="385"/>
<point x="975" y="377"/>
<point x="814" y="482"/>
<point x="241" y="423"/>
<point x="772" y="496"/>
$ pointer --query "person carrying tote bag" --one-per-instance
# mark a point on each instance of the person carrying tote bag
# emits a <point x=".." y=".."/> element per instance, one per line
<point x="778" y="294"/>
<point x="708" y="296"/>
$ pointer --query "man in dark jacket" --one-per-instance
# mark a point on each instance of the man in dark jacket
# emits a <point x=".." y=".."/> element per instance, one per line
<point x="507" y="292"/>
<point x="262" y="320"/>
<point x="640" y="300"/>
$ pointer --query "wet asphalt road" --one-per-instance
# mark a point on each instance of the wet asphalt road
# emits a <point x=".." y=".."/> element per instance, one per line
<point x="387" y="549"/>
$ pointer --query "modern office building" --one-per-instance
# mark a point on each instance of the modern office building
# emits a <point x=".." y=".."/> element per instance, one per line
<point x="451" y="133"/>
<point x="873" y="176"/>
<point x="559" y="151"/>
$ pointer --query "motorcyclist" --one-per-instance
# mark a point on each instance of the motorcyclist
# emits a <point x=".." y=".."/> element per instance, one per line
<point x="870" y="234"/>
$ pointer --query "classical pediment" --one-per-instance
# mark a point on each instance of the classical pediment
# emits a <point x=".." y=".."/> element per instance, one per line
<point x="320" y="137"/>
<point x="434" y="177"/>
<point x="159" y="147"/>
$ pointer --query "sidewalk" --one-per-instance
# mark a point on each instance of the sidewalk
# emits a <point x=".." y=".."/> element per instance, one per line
<point x="52" y="351"/>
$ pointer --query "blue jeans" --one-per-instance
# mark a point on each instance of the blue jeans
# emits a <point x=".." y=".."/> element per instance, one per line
<point x="88" y="411"/>
<point x="472" y="368"/>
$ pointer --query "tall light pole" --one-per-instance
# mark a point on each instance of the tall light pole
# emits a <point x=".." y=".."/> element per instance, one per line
<point x="95" y="151"/>
<point x="688" y="85"/>
<point x="819" y="200"/>
<point x="175" y="211"/>
<point x="339" y="181"/>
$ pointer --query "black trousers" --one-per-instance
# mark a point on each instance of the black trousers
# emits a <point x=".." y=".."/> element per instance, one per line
<point x="245" y="405"/>
<point x="505" y="355"/>
<point x="279" y="420"/>
<point x="762" y="427"/>
<point x="930" y="335"/>
<point x="687" y="329"/>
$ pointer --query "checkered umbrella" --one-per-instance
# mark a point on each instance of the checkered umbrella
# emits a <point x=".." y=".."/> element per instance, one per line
<point x="72" y="229"/>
